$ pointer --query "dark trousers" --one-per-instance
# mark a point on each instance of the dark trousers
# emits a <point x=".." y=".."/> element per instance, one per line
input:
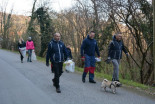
<point x="57" y="69"/>
<point x="29" y="55"/>
<point x="21" y="56"/>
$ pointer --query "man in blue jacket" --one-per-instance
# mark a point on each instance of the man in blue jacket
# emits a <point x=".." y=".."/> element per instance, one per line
<point x="115" y="54"/>
<point x="56" y="53"/>
<point x="88" y="49"/>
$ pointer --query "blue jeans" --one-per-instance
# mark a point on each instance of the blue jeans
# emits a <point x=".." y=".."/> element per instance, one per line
<point x="89" y="66"/>
<point x="90" y="61"/>
<point x="29" y="55"/>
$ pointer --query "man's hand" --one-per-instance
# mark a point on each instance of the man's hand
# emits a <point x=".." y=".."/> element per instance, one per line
<point x="47" y="64"/>
<point x="108" y="60"/>
<point x="127" y="54"/>
<point x="68" y="59"/>
<point x="83" y="58"/>
<point x="99" y="57"/>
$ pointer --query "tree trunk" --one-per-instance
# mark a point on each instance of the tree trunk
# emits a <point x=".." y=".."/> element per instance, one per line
<point x="153" y="2"/>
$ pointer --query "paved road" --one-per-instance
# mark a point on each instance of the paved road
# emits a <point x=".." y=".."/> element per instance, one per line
<point x="30" y="83"/>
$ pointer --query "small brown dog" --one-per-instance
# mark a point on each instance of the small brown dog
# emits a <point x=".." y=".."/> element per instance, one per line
<point x="112" y="85"/>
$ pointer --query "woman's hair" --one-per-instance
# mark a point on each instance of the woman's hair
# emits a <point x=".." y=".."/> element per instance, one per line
<point x="20" y="40"/>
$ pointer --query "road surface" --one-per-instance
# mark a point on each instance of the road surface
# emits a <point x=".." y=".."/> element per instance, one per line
<point x="30" y="83"/>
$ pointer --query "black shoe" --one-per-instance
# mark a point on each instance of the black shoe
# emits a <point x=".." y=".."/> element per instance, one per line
<point x="92" y="81"/>
<point x="53" y="83"/>
<point x="83" y="80"/>
<point x="30" y="61"/>
<point x="113" y="79"/>
<point x="58" y="90"/>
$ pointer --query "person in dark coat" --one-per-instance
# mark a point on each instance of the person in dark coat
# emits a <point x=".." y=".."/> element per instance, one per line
<point x="88" y="49"/>
<point x="22" y="49"/>
<point x="115" y="54"/>
<point x="56" y="53"/>
<point x="68" y="48"/>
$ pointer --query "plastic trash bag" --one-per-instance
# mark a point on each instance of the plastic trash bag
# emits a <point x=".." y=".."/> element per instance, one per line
<point x="70" y="66"/>
<point x="33" y="55"/>
<point x="23" y="51"/>
<point x="98" y="59"/>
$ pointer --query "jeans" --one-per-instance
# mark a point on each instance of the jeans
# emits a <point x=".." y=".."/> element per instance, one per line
<point x="115" y="63"/>
<point x="29" y="55"/>
<point x="89" y="66"/>
<point x="57" y="69"/>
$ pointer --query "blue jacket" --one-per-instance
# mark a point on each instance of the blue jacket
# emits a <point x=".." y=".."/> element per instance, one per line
<point x="89" y="47"/>
<point x="69" y="53"/>
<point x="115" y="49"/>
<point x="56" y="52"/>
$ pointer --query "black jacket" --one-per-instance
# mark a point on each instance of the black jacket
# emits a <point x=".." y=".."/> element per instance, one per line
<point x="69" y="53"/>
<point x="56" y="52"/>
<point x="115" y="49"/>
<point x="22" y="45"/>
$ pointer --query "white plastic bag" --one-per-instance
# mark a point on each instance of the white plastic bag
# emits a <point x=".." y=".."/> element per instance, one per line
<point x="70" y="65"/>
<point x="33" y="55"/>
<point x="23" y="51"/>
<point x="98" y="59"/>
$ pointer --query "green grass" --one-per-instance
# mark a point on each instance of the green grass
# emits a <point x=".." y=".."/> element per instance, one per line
<point x="41" y="59"/>
<point x="102" y="76"/>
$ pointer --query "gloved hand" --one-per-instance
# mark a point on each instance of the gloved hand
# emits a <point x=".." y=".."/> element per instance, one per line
<point x="83" y="58"/>
<point x="108" y="60"/>
<point x="47" y="64"/>
<point x="127" y="54"/>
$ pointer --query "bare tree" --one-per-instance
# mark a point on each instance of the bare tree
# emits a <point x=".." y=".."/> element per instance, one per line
<point x="5" y="25"/>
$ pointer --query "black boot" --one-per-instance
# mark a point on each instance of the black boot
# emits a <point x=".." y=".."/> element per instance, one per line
<point x="92" y="81"/>
<point x="58" y="90"/>
<point x="113" y="79"/>
<point x="83" y="80"/>
<point x="53" y="83"/>
<point x="83" y="77"/>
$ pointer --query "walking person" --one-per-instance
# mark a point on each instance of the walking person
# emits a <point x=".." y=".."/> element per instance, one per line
<point x="29" y="47"/>
<point x="88" y="49"/>
<point x="56" y="53"/>
<point x="68" y="48"/>
<point x="115" y="54"/>
<point x="69" y="52"/>
<point x="22" y="49"/>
